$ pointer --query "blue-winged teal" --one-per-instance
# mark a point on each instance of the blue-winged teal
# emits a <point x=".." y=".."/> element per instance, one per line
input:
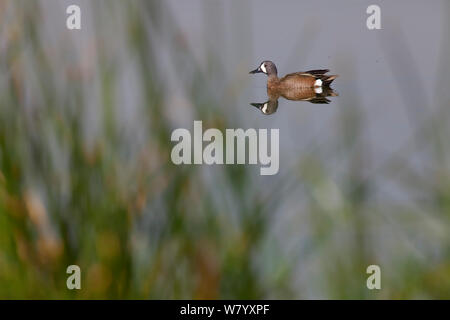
<point x="308" y="79"/>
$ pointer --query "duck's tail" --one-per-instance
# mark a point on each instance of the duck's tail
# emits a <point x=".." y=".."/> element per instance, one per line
<point x="327" y="80"/>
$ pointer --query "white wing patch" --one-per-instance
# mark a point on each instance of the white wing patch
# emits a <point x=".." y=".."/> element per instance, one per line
<point x="263" y="68"/>
<point x="318" y="83"/>
<point x="318" y="90"/>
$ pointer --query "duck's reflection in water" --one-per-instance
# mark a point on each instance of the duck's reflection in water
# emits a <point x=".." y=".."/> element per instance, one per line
<point x="314" y="95"/>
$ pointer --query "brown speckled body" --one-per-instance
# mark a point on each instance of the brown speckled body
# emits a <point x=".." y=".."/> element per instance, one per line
<point x="291" y="81"/>
<point x="299" y="93"/>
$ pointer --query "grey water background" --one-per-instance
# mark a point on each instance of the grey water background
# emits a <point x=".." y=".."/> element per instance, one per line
<point x="363" y="180"/>
<point x="325" y="34"/>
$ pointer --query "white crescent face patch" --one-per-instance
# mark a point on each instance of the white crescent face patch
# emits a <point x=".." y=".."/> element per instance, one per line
<point x="263" y="68"/>
<point x="264" y="108"/>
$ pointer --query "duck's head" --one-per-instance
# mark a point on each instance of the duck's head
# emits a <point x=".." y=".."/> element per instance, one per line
<point x="267" y="67"/>
<point x="268" y="107"/>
